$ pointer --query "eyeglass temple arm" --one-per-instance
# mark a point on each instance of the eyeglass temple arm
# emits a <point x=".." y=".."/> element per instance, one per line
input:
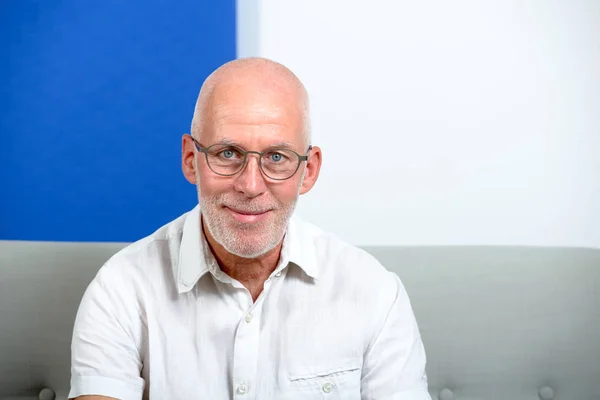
<point x="198" y="147"/>
<point x="305" y="157"/>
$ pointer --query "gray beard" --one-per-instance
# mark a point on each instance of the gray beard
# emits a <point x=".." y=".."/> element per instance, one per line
<point x="244" y="240"/>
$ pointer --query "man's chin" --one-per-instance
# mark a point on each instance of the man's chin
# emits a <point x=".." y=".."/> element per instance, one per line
<point x="247" y="248"/>
<point x="251" y="240"/>
<point x="247" y="229"/>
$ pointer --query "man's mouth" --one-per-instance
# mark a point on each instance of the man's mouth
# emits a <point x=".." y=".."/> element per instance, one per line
<point x="247" y="216"/>
<point x="247" y="212"/>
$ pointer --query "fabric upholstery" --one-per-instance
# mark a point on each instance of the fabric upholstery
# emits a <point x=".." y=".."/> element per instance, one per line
<point x="497" y="322"/>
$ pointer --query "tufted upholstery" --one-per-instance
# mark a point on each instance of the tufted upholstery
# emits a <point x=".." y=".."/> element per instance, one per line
<point x="505" y="322"/>
<point x="498" y="323"/>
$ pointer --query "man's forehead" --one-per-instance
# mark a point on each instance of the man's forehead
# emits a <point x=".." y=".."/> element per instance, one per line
<point x="263" y="134"/>
<point x="254" y="95"/>
<point x="253" y="109"/>
<point x="252" y="112"/>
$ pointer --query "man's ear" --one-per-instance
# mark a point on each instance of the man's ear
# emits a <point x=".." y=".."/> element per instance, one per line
<point x="313" y="167"/>
<point x="188" y="163"/>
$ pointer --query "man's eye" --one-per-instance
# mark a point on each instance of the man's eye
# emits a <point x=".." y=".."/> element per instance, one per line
<point x="227" y="153"/>
<point x="276" y="157"/>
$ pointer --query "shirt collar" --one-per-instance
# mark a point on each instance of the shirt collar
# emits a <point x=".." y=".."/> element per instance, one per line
<point x="299" y="247"/>
<point x="193" y="261"/>
<point x="196" y="258"/>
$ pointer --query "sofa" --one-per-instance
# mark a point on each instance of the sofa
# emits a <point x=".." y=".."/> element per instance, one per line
<point x="498" y="323"/>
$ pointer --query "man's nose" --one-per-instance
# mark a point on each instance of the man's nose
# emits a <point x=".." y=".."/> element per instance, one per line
<point x="250" y="180"/>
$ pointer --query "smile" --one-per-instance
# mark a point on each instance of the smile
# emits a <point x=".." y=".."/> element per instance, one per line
<point x="248" y="216"/>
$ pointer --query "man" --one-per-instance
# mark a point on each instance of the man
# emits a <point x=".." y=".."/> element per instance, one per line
<point x="236" y="299"/>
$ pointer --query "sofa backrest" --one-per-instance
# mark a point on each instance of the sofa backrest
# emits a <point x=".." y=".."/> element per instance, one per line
<point x="497" y="322"/>
<point x="41" y="285"/>
<point x="505" y="322"/>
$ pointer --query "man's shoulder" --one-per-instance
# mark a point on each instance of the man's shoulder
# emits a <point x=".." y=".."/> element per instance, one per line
<point x="149" y="254"/>
<point x="352" y="272"/>
<point x="339" y="257"/>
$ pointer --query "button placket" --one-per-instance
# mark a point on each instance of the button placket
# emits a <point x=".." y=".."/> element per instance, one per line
<point x="242" y="388"/>
<point x="246" y="345"/>
<point x="245" y="352"/>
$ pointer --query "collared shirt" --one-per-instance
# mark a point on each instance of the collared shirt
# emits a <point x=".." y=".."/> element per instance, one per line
<point x="162" y="321"/>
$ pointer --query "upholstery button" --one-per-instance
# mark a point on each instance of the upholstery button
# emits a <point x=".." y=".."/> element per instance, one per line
<point x="46" y="394"/>
<point x="327" y="387"/>
<point x="546" y="393"/>
<point x="446" y="394"/>
<point x="242" y="388"/>
<point x="248" y="317"/>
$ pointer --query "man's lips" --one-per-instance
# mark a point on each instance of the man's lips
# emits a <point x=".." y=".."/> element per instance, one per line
<point x="244" y="212"/>
<point x="247" y="216"/>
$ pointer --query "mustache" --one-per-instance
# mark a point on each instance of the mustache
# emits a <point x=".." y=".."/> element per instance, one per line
<point x="242" y="205"/>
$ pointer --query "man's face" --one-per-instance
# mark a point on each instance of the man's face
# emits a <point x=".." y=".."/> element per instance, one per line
<point x="248" y="213"/>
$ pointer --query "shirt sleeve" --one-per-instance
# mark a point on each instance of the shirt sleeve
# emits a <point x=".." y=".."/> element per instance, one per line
<point x="394" y="363"/>
<point x="105" y="356"/>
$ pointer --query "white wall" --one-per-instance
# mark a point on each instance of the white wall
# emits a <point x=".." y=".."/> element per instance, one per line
<point x="463" y="122"/>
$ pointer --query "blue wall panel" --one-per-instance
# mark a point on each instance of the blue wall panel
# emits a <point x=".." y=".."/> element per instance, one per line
<point x="93" y="101"/>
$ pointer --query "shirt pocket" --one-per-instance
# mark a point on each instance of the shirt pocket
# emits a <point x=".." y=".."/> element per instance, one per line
<point x="335" y="381"/>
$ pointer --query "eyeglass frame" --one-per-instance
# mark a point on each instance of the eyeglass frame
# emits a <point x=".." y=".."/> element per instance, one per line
<point x="204" y="150"/>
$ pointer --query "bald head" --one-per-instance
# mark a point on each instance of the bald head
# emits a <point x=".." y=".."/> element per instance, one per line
<point x="259" y="85"/>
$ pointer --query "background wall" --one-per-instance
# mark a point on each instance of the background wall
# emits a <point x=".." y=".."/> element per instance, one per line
<point x="93" y="102"/>
<point x="460" y="122"/>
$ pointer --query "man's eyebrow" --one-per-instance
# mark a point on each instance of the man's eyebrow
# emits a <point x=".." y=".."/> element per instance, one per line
<point x="279" y="145"/>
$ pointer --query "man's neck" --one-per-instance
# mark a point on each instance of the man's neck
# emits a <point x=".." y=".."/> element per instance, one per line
<point x="250" y="272"/>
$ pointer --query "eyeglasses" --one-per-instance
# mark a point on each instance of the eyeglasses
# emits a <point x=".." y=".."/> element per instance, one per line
<point x="276" y="163"/>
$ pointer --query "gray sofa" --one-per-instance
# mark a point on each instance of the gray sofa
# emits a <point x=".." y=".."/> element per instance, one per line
<point x="498" y="323"/>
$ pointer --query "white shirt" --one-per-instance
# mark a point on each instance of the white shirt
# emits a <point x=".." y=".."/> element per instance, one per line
<point x="162" y="321"/>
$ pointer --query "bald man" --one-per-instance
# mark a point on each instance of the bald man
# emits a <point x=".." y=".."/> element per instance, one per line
<point x="238" y="299"/>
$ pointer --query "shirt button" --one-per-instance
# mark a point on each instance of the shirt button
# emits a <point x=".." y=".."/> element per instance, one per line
<point x="278" y="274"/>
<point x="328" y="387"/>
<point x="248" y="317"/>
<point x="242" y="388"/>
